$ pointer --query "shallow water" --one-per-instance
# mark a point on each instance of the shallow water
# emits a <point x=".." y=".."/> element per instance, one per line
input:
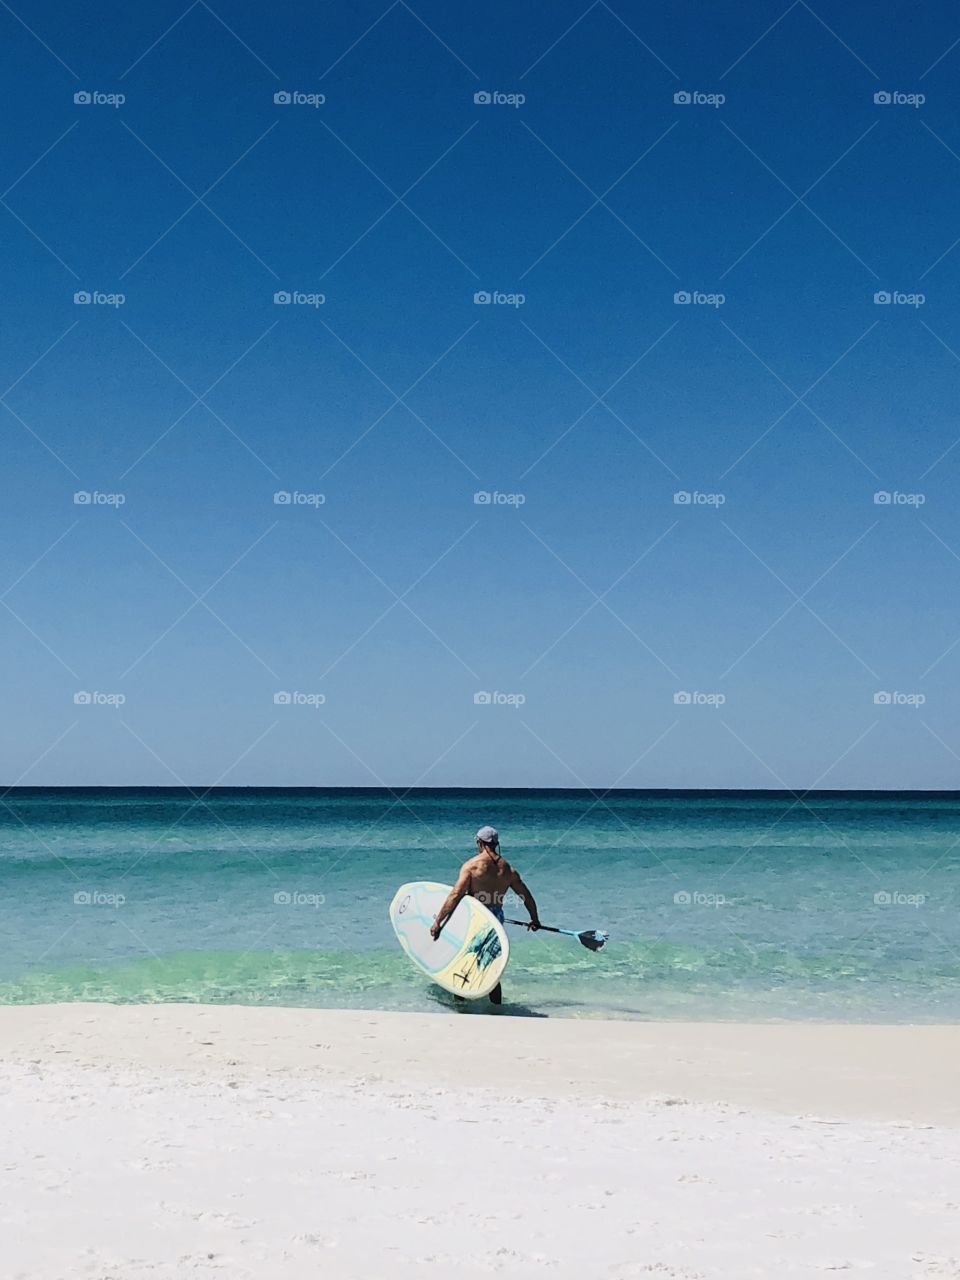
<point x="723" y="905"/>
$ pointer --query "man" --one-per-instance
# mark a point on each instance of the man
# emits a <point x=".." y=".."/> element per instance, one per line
<point x="487" y="877"/>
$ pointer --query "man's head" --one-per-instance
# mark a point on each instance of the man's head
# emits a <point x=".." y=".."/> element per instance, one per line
<point x="488" y="840"/>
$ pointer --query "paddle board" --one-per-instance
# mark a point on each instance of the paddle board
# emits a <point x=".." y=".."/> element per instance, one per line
<point x="472" y="951"/>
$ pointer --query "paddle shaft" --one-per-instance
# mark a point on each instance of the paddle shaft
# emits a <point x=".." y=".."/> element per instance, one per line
<point x="546" y="928"/>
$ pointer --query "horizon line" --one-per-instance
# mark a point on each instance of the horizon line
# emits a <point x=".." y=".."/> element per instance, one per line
<point x="388" y="789"/>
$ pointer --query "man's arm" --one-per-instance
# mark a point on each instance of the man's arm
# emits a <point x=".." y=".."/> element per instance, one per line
<point x="459" y="891"/>
<point x="522" y="892"/>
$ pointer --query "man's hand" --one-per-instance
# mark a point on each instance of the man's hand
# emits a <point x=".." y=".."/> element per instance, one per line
<point x="533" y="925"/>
<point x="434" y="931"/>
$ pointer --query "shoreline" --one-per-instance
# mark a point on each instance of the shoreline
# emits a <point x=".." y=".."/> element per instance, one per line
<point x="894" y="1073"/>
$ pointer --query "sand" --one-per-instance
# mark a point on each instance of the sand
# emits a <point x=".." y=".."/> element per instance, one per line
<point x="182" y="1141"/>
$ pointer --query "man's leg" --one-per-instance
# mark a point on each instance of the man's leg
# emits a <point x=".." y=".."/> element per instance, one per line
<point x="496" y="995"/>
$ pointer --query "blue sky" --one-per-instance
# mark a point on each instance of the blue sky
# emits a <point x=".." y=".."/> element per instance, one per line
<point x="592" y="598"/>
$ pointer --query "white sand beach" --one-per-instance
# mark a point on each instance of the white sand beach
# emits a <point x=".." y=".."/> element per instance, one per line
<point x="171" y="1141"/>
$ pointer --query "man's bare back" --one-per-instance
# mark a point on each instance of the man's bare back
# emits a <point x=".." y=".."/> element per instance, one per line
<point x="489" y="878"/>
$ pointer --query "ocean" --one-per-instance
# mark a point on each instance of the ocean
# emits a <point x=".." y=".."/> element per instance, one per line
<point x="721" y="906"/>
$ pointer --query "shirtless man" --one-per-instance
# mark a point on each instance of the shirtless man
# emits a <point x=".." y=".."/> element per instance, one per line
<point x="487" y="877"/>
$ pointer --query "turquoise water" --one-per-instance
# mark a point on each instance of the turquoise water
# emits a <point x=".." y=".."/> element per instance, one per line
<point x="721" y="906"/>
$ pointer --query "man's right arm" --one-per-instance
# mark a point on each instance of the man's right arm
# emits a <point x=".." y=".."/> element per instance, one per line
<point x="458" y="892"/>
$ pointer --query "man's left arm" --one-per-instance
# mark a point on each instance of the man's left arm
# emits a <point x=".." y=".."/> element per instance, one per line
<point x="522" y="892"/>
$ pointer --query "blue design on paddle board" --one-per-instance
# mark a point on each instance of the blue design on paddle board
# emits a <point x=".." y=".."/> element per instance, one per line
<point x="485" y="948"/>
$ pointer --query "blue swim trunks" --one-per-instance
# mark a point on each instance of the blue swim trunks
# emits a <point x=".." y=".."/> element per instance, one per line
<point x="497" y="911"/>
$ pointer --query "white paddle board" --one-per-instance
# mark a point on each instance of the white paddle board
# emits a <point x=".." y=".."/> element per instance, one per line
<point x="469" y="957"/>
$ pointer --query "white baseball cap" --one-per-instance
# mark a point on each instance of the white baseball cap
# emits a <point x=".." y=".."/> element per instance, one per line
<point x="489" y="836"/>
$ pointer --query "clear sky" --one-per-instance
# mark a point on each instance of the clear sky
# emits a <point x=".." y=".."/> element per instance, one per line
<point x="584" y="197"/>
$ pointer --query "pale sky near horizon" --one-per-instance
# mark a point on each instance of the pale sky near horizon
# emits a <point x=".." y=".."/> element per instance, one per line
<point x="673" y="291"/>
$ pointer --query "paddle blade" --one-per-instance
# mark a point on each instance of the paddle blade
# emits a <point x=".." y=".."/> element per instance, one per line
<point x="593" y="939"/>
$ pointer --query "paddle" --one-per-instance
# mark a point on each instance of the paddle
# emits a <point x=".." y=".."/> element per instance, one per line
<point x="592" y="939"/>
